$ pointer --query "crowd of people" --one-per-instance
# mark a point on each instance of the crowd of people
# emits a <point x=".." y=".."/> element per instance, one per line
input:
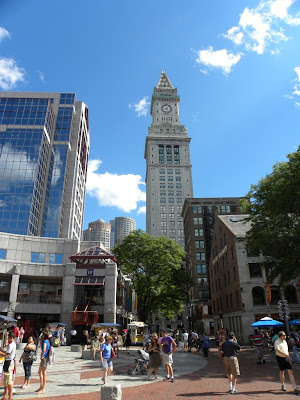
<point x="107" y="343"/>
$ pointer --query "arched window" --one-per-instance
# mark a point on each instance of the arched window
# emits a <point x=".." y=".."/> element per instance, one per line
<point x="275" y="294"/>
<point x="258" y="295"/>
<point x="290" y="294"/>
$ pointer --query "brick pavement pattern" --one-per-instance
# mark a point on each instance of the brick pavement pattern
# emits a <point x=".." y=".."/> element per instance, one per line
<point x="207" y="383"/>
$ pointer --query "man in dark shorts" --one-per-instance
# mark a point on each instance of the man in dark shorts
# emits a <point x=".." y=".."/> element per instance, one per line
<point x="232" y="368"/>
<point x="284" y="361"/>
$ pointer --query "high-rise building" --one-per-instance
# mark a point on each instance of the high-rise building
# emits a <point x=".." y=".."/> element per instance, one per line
<point x="199" y="220"/>
<point x="44" y="147"/>
<point x="167" y="154"/>
<point x="121" y="227"/>
<point x="98" y="231"/>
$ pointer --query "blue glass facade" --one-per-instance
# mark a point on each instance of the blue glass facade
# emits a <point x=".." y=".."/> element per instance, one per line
<point x="35" y="147"/>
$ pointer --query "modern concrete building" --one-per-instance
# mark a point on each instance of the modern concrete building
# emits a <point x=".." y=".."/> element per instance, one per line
<point x="44" y="147"/>
<point x="98" y="231"/>
<point x="121" y="227"/>
<point x="168" y="174"/>
<point x="199" y="219"/>
<point x="239" y="291"/>
<point x="44" y="280"/>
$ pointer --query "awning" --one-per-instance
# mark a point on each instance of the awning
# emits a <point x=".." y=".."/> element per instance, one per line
<point x="89" y="280"/>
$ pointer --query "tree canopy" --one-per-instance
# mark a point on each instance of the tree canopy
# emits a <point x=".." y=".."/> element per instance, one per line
<point x="273" y="206"/>
<point x="156" y="267"/>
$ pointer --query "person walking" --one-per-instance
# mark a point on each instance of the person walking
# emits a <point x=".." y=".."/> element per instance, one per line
<point x="106" y="357"/>
<point x="28" y="355"/>
<point x="84" y="341"/>
<point x="185" y="340"/>
<point x="222" y="339"/>
<point x="73" y="334"/>
<point x="52" y="345"/>
<point x="232" y="369"/>
<point x="168" y="347"/>
<point x="9" y="365"/>
<point x="257" y="341"/>
<point x="154" y="355"/>
<point x="205" y="344"/>
<point x="284" y="362"/>
<point x="45" y="347"/>
<point x="128" y="341"/>
<point x="293" y="343"/>
<point x="180" y="341"/>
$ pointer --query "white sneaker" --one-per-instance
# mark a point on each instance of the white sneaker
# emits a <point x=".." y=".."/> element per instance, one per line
<point x="233" y="391"/>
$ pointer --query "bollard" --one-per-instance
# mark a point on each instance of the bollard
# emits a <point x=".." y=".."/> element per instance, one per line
<point x="111" y="392"/>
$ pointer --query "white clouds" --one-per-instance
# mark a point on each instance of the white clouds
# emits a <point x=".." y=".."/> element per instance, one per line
<point x="142" y="210"/>
<point x="296" y="91"/>
<point x="141" y="107"/>
<point x="42" y="76"/>
<point x="218" y="59"/>
<point x="4" y="34"/>
<point x="10" y="73"/>
<point x="112" y="190"/>
<point x="235" y="35"/>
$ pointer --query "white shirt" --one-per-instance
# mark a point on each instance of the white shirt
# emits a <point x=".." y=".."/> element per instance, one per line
<point x="73" y="332"/>
<point x="282" y="346"/>
<point x="11" y="349"/>
<point x="185" y="336"/>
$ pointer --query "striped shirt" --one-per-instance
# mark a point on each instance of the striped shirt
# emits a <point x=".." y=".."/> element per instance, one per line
<point x="257" y="339"/>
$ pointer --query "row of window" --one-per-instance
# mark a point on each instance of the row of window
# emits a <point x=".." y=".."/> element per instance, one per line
<point x="170" y="185"/>
<point x="171" y="200"/>
<point x="169" y="171"/>
<point x="170" y="193"/>
<point x="54" y="258"/>
<point x="259" y="295"/>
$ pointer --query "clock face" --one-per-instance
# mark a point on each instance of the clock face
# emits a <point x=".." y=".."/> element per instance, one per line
<point x="166" y="108"/>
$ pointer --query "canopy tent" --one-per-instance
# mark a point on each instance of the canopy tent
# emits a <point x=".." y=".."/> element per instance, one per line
<point x="266" y="322"/>
<point x="7" y="321"/>
<point x="104" y="324"/>
<point x="294" y="322"/>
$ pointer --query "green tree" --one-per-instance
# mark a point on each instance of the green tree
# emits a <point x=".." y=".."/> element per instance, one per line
<point x="155" y="265"/>
<point x="273" y="206"/>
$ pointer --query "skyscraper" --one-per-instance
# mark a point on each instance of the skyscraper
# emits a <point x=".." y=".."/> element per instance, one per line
<point x="167" y="154"/>
<point x="98" y="231"/>
<point x="44" y="147"/>
<point x="120" y="228"/>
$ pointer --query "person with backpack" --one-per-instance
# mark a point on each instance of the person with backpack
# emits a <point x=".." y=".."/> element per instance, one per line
<point x="45" y="345"/>
<point x="28" y="356"/>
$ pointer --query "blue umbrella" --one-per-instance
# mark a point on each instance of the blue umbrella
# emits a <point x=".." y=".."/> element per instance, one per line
<point x="266" y="322"/>
<point x="294" y="322"/>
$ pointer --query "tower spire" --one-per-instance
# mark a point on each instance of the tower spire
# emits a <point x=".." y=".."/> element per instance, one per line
<point x="164" y="81"/>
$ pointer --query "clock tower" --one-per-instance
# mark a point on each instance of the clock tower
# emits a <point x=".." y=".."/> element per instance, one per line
<point x="168" y="174"/>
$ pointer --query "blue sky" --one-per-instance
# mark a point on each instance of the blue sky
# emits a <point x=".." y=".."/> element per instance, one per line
<point x="236" y="65"/>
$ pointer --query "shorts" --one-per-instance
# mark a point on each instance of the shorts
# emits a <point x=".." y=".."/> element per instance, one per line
<point x="8" y="376"/>
<point x="180" y="345"/>
<point x="44" y="362"/>
<point x="284" y="363"/>
<point x="167" y="359"/>
<point x="259" y="351"/>
<point x="231" y="366"/>
<point x="107" y="362"/>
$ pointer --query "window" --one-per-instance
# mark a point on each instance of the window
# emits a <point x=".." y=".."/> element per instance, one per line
<point x="199" y="244"/>
<point x="169" y="171"/>
<point x="163" y="200"/>
<point x="253" y="252"/>
<point x="178" y="178"/>
<point x="170" y="178"/>
<point x="5" y="284"/>
<point x="258" y="295"/>
<point x="198" y="221"/>
<point x="237" y="298"/>
<point x="179" y="200"/>
<point x="173" y="231"/>
<point x="163" y="231"/>
<point x="255" y="270"/>
<point x="180" y="232"/>
<point x="162" y="208"/>
<point x="172" y="223"/>
<point x="169" y="154"/>
<point x="162" y="192"/>
<point x="161" y="171"/>
<point x="177" y="171"/>
<point x="275" y="294"/>
<point x="163" y="223"/>
<point x="171" y="199"/>
<point x="180" y="223"/>
<point x="197" y="209"/>
<point x="176" y="155"/>
<point x="38" y="257"/>
<point x="2" y="254"/>
<point x="198" y="232"/>
<point x="161" y="156"/>
<point x="170" y="186"/>
<point x="203" y="294"/>
<point x="202" y="281"/>
<point x="162" y="178"/>
<point x="201" y="269"/>
<point x="162" y="185"/>
<point x="171" y="215"/>
<point x="200" y="256"/>
<point x="55" y="258"/>
<point x="163" y="215"/>
<point x="178" y="186"/>
<point x="179" y="208"/>
<point x="225" y="209"/>
<point x="171" y="208"/>
<point x="171" y="193"/>
<point x="290" y="294"/>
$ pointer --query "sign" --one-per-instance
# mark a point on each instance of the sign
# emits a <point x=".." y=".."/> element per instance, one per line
<point x="90" y="272"/>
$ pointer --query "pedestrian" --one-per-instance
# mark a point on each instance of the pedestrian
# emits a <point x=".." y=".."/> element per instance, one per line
<point x="154" y="355"/>
<point x="84" y="341"/>
<point x="73" y="334"/>
<point x="52" y="345"/>
<point x="205" y="344"/>
<point x="28" y="356"/>
<point x="95" y="346"/>
<point x="45" y="347"/>
<point x="180" y="341"/>
<point x="9" y="365"/>
<point x="168" y="347"/>
<point x="257" y="340"/>
<point x="128" y="341"/>
<point x="232" y="369"/>
<point x="222" y="339"/>
<point x="106" y="357"/>
<point x="293" y="343"/>
<point x="21" y="334"/>
<point x="185" y="340"/>
<point x="284" y="361"/>
<point x="16" y="333"/>
<point x="116" y="343"/>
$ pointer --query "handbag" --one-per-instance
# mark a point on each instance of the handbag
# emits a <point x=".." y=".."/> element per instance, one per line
<point x="113" y="354"/>
<point x="32" y="355"/>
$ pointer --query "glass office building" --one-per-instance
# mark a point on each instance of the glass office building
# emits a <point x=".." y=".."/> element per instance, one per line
<point x="44" y="146"/>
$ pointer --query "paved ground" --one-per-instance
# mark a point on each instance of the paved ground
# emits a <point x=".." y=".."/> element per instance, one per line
<point x="72" y="378"/>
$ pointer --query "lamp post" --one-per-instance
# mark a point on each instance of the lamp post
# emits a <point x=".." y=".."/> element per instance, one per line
<point x="284" y="313"/>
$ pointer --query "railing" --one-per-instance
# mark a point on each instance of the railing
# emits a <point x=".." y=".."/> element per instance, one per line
<point x="39" y="298"/>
